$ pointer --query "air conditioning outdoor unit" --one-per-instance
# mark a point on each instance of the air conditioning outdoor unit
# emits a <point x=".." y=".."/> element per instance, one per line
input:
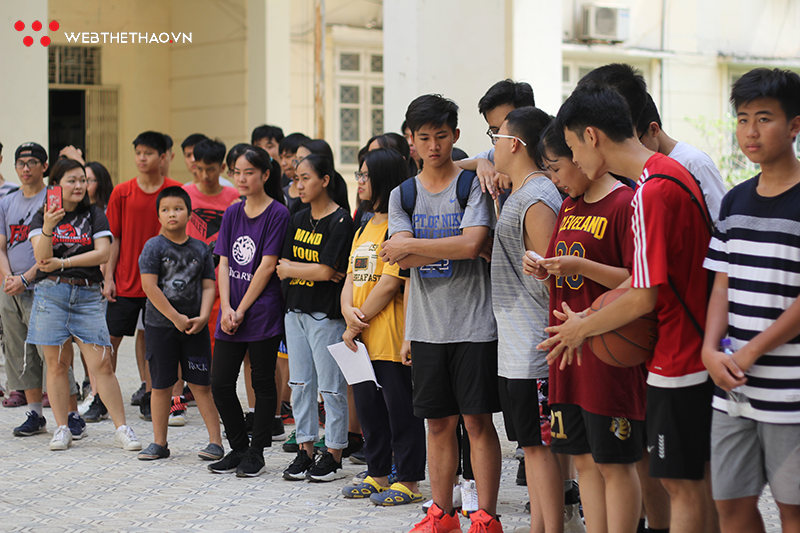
<point x="605" y="23"/>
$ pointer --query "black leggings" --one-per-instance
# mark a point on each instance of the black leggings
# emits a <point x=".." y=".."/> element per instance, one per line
<point x="228" y="357"/>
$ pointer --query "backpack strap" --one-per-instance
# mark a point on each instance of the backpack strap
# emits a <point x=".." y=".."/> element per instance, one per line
<point x="408" y="195"/>
<point x="464" y="186"/>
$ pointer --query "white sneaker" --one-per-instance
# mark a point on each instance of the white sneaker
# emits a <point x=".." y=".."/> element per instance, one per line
<point x="177" y="418"/>
<point x="62" y="438"/>
<point x="126" y="439"/>
<point x="456" y="500"/>
<point x="572" y="519"/>
<point x="85" y="404"/>
<point x="469" y="497"/>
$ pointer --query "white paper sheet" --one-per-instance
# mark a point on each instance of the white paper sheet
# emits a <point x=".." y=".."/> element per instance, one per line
<point x="356" y="367"/>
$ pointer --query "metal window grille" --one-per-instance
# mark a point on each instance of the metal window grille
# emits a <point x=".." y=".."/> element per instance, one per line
<point x="350" y="62"/>
<point x="74" y="65"/>
<point x="376" y="63"/>
<point x="348" y="94"/>
<point x="102" y="127"/>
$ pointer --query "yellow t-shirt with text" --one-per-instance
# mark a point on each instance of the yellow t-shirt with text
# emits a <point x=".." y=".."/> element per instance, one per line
<point x="384" y="336"/>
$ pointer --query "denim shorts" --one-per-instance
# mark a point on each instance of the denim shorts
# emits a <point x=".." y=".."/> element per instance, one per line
<point x="61" y="311"/>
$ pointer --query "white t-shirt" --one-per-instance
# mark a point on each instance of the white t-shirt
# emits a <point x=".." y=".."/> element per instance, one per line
<point x="226" y="183"/>
<point x="702" y="167"/>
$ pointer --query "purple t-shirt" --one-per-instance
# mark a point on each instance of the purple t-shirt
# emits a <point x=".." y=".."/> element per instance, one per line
<point x="244" y="241"/>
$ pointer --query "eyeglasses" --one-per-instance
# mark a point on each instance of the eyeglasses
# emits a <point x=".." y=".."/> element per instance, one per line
<point x="362" y="177"/>
<point x="496" y="136"/>
<point x="30" y="163"/>
<point x="491" y="131"/>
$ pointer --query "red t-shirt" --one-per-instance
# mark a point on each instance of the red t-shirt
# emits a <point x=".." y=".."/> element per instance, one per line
<point x="133" y="220"/>
<point x="207" y="212"/>
<point x="601" y="232"/>
<point x="671" y="240"/>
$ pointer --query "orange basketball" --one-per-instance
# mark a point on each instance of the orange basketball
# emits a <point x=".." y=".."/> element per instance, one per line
<point x="629" y="345"/>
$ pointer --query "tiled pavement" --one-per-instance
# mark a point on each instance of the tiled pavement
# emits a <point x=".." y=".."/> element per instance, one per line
<point x="96" y="487"/>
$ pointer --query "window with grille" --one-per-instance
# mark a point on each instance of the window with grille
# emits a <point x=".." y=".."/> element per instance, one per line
<point x="359" y="102"/>
<point x="74" y="65"/>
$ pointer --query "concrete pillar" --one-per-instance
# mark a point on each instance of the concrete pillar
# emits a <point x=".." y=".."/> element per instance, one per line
<point x="23" y="91"/>
<point x="452" y="47"/>
<point x="536" y="49"/>
<point x="268" y="64"/>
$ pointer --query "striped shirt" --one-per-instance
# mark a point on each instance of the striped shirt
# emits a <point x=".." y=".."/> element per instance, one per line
<point x="757" y="245"/>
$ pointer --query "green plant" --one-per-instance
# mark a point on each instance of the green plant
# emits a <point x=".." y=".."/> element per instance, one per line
<point x="720" y="139"/>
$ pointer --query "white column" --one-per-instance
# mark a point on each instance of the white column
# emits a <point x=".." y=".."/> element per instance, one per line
<point x="268" y="64"/>
<point x="24" y="99"/>
<point x="451" y="47"/>
<point x="536" y="49"/>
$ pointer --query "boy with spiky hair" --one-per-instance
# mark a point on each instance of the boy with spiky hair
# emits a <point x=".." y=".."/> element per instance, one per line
<point x="445" y="243"/>
<point x="671" y="229"/>
<point x="269" y="138"/>
<point x="755" y="433"/>
<point x="187" y="146"/>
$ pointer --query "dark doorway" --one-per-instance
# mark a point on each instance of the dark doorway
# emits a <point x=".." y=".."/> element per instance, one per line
<point x="67" y="121"/>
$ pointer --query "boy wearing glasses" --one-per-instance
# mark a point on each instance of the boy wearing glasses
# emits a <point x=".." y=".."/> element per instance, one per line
<point x="454" y="346"/>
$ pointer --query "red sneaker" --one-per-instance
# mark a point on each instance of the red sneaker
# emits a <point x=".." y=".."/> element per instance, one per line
<point x="483" y="522"/>
<point x="437" y="521"/>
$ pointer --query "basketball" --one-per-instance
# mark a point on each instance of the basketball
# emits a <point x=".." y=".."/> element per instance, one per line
<point x="629" y="345"/>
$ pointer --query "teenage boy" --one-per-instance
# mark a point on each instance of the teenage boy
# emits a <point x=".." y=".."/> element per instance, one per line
<point x="671" y="234"/>
<point x="454" y="352"/>
<point x="177" y="275"/>
<point x="288" y="150"/>
<point x="269" y="138"/>
<point x="652" y="135"/>
<point x="755" y="433"/>
<point x="521" y="308"/>
<point x="24" y="363"/>
<point x="187" y="146"/>
<point x="132" y="219"/>
<point x="501" y="98"/>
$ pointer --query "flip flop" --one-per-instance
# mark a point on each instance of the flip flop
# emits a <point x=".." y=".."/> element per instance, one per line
<point x="15" y="399"/>
<point x="363" y="490"/>
<point x="397" y="494"/>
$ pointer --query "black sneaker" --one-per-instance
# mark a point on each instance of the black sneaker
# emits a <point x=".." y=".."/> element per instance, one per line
<point x="299" y="468"/>
<point x="355" y="443"/>
<point x="97" y="411"/>
<point x="144" y="408"/>
<point x="278" y="432"/>
<point x="521" y="478"/>
<point x="33" y="425"/>
<point x="227" y="464"/>
<point x="249" y="419"/>
<point x="358" y="458"/>
<point x="153" y="452"/>
<point x="252" y="464"/>
<point x="136" y="399"/>
<point x="326" y="469"/>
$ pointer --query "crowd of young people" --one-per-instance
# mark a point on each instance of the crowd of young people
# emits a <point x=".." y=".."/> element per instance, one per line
<point x="467" y="306"/>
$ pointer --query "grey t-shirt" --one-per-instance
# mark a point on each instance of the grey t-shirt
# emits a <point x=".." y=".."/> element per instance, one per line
<point x="450" y="301"/>
<point x="181" y="269"/>
<point x="16" y="214"/>
<point x="520" y="302"/>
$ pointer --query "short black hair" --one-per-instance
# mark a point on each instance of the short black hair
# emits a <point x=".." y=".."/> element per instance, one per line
<point x="782" y="85"/>
<point x="628" y="82"/>
<point x="174" y="192"/>
<point x="168" y="140"/>
<point x="527" y="123"/>
<point x="508" y="91"/>
<point x="431" y="109"/>
<point x="395" y="141"/>
<point x="648" y="116"/>
<point x="596" y="106"/>
<point x="209" y="151"/>
<point x="151" y="139"/>
<point x="404" y="127"/>
<point x="267" y="132"/>
<point x="192" y="140"/>
<point x="292" y="142"/>
<point x="234" y="153"/>
<point x="387" y="169"/>
<point x="319" y="147"/>
<point x="551" y="141"/>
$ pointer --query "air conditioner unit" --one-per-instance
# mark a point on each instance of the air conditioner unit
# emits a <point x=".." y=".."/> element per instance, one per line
<point x="605" y="23"/>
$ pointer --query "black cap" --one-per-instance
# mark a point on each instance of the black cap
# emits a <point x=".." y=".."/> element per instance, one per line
<point x="31" y="150"/>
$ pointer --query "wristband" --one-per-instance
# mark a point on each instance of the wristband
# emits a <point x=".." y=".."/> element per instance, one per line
<point x="24" y="281"/>
<point x="69" y="262"/>
<point x="541" y="279"/>
<point x="62" y="265"/>
<point x="46" y="235"/>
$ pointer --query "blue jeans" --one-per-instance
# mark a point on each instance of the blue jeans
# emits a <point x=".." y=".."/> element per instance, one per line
<point x="61" y="311"/>
<point x="312" y="368"/>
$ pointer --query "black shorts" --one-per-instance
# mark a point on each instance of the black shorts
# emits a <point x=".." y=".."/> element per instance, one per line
<point x="610" y="439"/>
<point x="123" y="314"/>
<point x="679" y="430"/>
<point x="166" y="348"/>
<point x="525" y="423"/>
<point x="452" y="379"/>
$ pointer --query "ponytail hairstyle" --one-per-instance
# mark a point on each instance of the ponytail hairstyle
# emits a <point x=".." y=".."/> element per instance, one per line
<point x="387" y="169"/>
<point x="62" y="166"/>
<point x="337" y="189"/>
<point x="322" y="167"/>
<point x="259" y="158"/>
<point x="104" y="184"/>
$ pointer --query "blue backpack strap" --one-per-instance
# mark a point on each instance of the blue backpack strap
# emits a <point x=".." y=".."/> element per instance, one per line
<point x="408" y="196"/>
<point x="464" y="186"/>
